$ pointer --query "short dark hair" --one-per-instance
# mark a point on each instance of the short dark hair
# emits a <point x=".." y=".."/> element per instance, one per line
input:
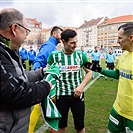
<point x="8" y="16"/>
<point x="96" y="47"/>
<point x="55" y="28"/>
<point x="68" y="33"/>
<point x="128" y="28"/>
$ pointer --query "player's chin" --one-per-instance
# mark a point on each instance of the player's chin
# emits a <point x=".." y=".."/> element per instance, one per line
<point x="122" y="48"/>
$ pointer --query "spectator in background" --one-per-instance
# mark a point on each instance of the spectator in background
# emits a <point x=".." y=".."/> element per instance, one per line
<point x="110" y="60"/>
<point x="31" y="57"/>
<point x="41" y="61"/>
<point x="95" y="58"/>
<point x="19" y="89"/>
<point x="82" y="49"/>
<point x="37" y="50"/>
<point x="24" y="56"/>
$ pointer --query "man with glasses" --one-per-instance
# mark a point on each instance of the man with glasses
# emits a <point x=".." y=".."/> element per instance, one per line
<point x="19" y="88"/>
<point x="27" y="30"/>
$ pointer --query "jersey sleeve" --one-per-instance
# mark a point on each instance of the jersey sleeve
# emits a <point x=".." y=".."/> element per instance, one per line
<point x="111" y="73"/>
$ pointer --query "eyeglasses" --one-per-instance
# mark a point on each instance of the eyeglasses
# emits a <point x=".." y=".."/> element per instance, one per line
<point x="27" y="30"/>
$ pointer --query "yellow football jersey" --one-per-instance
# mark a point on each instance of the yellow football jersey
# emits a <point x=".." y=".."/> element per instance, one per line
<point x="124" y="100"/>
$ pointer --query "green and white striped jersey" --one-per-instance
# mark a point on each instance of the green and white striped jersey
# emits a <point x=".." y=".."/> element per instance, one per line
<point x="70" y="70"/>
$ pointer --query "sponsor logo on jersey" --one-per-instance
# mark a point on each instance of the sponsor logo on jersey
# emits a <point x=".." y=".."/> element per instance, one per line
<point x="70" y="68"/>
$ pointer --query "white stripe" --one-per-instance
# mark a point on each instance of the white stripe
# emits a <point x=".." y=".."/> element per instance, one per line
<point x="54" y="58"/>
<point x="72" y="75"/>
<point x="66" y="63"/>
<point x="48" y="110"/>
<point x="47" y="77"/>
<point x="58" y="91"/>
<point x="128" y="130"/>
<point x="55" y="111"/>
<point x="114" y="120"/>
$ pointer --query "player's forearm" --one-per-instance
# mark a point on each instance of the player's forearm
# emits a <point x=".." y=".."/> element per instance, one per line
<point x="86" y="78"/>
<point x="111" y="73"/>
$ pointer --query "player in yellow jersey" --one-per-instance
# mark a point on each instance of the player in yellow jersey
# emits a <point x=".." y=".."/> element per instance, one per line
<point x="121" y="116"/>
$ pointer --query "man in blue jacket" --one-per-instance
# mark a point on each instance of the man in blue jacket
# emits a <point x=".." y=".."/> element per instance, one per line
<point x="41" y="61"/>
<point x="31" y="56"/>
<point x="48" y="47"/>
<point x="23" y="54"/>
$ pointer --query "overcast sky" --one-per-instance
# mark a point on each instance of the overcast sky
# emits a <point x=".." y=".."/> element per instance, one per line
<point x="69" y="12"/>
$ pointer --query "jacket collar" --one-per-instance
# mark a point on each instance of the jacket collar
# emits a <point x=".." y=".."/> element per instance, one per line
<point x="53" y="40"/>
<point x="5" y="40"/>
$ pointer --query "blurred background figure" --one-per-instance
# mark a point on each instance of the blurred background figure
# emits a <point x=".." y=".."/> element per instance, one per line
<point x="31" y="57"/>
<point x="24" y="56"/>
<point x="110" y="60"/>
<point x="83" y="50"/>
<point x="95" y="58"/>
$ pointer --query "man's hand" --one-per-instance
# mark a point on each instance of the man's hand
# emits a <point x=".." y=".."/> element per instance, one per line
<point x="92" y="66"/>
<point x="44" y="69"/>
<point x="78" y="91"/>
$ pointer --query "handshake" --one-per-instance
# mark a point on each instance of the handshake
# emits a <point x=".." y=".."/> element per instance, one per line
<point x="92" y="66"/>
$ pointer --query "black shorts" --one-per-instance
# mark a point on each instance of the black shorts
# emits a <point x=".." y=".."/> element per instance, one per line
<point x="77" y="106"/>
<point x="30" y="62"/>
<point x="110" y="66"/>
<point x="96" y="62"/>
<point x="23" y="61"/>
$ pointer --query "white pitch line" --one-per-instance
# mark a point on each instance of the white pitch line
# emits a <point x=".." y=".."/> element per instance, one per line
<point x="42" y="129"/>
<point x="92" y="82"/>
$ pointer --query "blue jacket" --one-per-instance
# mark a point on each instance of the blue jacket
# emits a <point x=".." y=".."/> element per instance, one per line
<point x="23" y="53"/>
<point x="31" y="55"/>
<point x="44" y="51"/>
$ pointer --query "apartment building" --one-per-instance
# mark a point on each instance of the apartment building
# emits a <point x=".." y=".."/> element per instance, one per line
<point x="34" y="38"/>
<point x="108" y="31"/>
<point x="87" y="33"/>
